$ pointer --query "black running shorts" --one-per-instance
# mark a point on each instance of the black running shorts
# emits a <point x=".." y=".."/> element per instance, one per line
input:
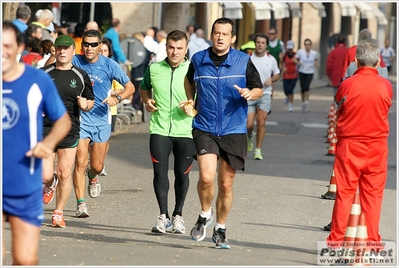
<point x="232" y="148"/>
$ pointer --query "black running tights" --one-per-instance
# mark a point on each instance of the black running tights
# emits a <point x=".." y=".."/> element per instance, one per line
<point x="183" y="150"/>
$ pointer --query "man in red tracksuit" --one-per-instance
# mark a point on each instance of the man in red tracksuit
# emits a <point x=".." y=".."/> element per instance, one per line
<point x="361" y="158"/>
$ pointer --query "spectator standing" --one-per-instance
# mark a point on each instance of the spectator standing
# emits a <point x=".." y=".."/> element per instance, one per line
<point x="388" y="55"/>
<point x="276" y="47"/>
<point x="269" y="73"/>
<point x="34" y="54"/>
<point x="170" y="130"/>
<point x="113" y="35"/>
<point x="46" y="51"/>
<point x="34" y="30"/>
<point x="77" y="37"/>
<point x="161" y="50"/>
<point x="361" y="158"/>
<point x="22" y="18"/>
<point x="92" y="25"/>
<point x="44" y="20"/>
<point x="74" y="87"/>
<point x="149" y="42"/>
<point x="335" y="62"/>
<point x="137" y="75"/>
<point x="307" y="60"/>
<point x="190" y="29"/>
<point x="290" y="74"/>
<point x="63" y="28"/>
<point x="249" y="46"/>
<point x="351" y="53"/>
<point x="197" y="44"/>
<point x="28" y="93"/>
<point x="219" y="128"/>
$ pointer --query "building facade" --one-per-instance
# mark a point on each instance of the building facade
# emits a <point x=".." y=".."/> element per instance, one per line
<point x="319" y="21"/>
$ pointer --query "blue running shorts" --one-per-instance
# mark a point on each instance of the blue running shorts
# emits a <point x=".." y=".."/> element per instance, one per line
<point x="28" y="208"/>
<point x="95" y="133"/>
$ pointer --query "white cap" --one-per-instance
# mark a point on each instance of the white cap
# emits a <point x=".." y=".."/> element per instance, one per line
<point x="37" y="14"/>
<point x="290" y="44"/>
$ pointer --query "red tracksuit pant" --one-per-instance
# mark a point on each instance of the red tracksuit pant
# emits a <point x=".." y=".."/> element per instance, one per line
<point x="363" y="164"/>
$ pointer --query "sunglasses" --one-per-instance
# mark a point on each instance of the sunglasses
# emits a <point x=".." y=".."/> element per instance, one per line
<point x="87" y="44"/>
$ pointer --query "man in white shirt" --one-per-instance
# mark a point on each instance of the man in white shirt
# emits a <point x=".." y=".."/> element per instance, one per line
<point x="161" y="51"/>
<point x="269" y="72"/>
<point x="149" y="42"/>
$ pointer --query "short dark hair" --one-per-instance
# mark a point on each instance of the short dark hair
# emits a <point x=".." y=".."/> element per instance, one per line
<point x="177" y="35"/>
<point x="273" y="28"/>
<point x="261" y="35"/>
<point x="307" y="40"/>
<point x="225" y="21"/>
<point x="19" y="37"/>
<point x="92" y="33"/>
<point x="115" y="23"/>
<point x="34" y="45"/>
<point x="23" y="12"/>
<point x="341" y="39"/>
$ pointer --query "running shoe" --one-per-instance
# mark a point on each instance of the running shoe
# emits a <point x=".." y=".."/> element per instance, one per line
<point x="81" y="210"/>
<point x="304" y="105"/>
<point x="94" y="187"/>
<point x="57" y="219"/>
<point x="307" y="109"/>
<point x="258" y="154"/>
<point x="48" y="191"/>
<point x="163" y="225"/>
<point x="198" y="232"/>
<point x="103" y="172"/>
<point x="250" y="142"/>
<point x="178" y="225"/>
<point x="219" y="237"/>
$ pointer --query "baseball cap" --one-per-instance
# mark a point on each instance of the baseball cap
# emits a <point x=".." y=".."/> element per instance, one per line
<point x="290" y="44"/>
<point x="64" y="41"/>
<point x="64" y="24"/>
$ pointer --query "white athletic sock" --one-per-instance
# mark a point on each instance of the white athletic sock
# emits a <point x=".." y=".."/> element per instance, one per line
<point x="207" y="214"/>
<point x="218" y="225"/>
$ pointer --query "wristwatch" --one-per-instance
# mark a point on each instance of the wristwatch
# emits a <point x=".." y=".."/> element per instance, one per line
<point x="273" y="80"/>
<point x="119" y="98"/>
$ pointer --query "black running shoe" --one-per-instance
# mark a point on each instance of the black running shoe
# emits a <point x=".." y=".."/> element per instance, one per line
<point x="219" y="237"/>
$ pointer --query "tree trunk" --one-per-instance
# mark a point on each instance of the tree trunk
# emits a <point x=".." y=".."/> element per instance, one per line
<point x="10" y="10"/>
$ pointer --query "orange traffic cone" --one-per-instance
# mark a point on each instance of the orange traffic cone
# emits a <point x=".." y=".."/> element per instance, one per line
<point x="332" y="188"/>
<point x="331" y="148"/>
<point x="331" y="111"/>
<point x="351" y="228"/>
<point x="330" y="133"/>
<point x="360" y="245"/>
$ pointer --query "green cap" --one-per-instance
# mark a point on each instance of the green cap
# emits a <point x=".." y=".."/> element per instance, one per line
<point x="64" y="41"/>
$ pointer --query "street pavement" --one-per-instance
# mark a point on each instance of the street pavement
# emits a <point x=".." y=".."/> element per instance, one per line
<point x="277" y="216"/>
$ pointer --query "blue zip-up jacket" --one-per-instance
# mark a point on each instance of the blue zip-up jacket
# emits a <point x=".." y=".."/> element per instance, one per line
<point x="221" y="109"/>
<point x="112" y="35"/>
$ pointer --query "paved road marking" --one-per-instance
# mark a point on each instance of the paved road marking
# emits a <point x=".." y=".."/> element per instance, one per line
<point x="315" y="125"/>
